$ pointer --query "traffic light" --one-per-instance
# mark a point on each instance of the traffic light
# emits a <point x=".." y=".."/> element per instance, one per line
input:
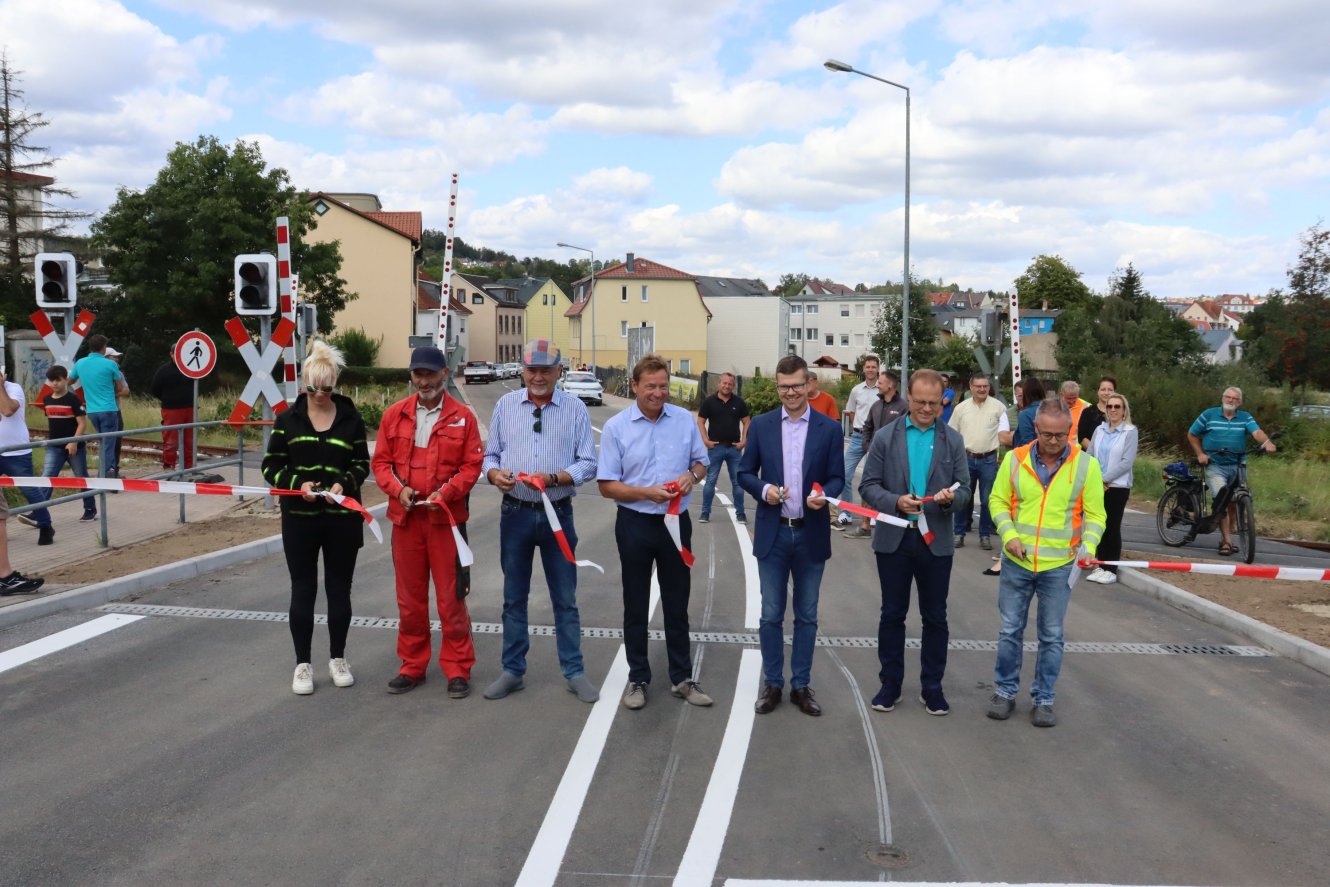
<point x="57" y="280"/>
<point x="256" y="284"/>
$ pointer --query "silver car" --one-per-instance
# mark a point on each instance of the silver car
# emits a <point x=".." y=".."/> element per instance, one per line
<point x="585" y="386"/>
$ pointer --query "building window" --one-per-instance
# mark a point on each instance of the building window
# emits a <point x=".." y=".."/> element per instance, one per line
<point x="623" y="328"/>
<point x="831" y="339"/>
<point x="320" y="207"/>
<point x="845" y="340"/>
<point x="859" y="310"/>
<point x="545" y="299"/>
<point x="623" y="293"/>
<point x="796" y="309"/>
<point x="795" y="333"/>
<point x="811" y="334"/>
<point x="844" y="310"/>
<point x="812" y="309"/>
<point x="686" y="365"/>
<point x="644" y="292"/>
<point x="477" y="299"/>
<point x="859" y="339"/>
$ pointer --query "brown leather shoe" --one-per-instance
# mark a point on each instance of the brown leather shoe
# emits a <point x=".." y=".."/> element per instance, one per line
<point x="803" y="697"/>
<point x="767" y="699"/>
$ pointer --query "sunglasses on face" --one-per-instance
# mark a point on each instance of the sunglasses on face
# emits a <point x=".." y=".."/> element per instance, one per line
<point x="322" y="389"/>
<point x="535" y="414"/>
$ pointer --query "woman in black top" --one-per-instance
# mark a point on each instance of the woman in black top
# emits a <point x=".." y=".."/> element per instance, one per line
<point x="319" y="444"/>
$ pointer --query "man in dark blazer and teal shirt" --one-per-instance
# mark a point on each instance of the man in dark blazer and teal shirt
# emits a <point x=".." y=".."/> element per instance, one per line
<point x="909" y="460"/>
<point x="789" y="449"/>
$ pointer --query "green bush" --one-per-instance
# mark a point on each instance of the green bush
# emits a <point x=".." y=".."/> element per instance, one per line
<point x="358" y="374"/>
<point x="760" y="395"/>
<point x="358" y="348"/>
<point x="372" y="413"/>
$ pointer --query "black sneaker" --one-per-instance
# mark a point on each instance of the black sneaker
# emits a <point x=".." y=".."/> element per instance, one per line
<point x="704" y="518"/>
<point x="459" y="688"/>
<point x="17" y="583"/>
<point x="88" y="517"/>
<point x="46" y="535"/>
<point x="740" y="518"/>
<point x="404" y="684"/>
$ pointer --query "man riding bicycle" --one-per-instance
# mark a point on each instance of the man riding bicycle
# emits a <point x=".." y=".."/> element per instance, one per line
<point x="1219" y="439"/>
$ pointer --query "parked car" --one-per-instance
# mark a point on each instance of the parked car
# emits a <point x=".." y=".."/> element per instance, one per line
<point x="478" y="371"/>
<point x="1312" y="411"/>
<point x="585" y="386"/>
<point x="512" y="371"/>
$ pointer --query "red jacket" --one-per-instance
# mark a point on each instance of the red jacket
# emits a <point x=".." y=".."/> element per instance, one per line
<point x="455" y="454"/>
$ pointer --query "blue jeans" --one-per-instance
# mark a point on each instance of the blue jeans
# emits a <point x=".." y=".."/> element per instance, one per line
<point x="854" y="454"/>
<point x="109" y="460"/>
<point x="727" y="455"/>
<point x="57" y="456"/>
<point x="931" y="577"/>
<point x="521" y="532"/>
<point x="982" y="474"/>
<point x="21" y="466"/>
<point x="785" y="561"/>
<point x="1016" y="587"/>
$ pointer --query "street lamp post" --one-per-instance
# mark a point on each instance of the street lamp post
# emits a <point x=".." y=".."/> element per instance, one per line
<point x="842" y="67"/>
<point x="591" y="296"/>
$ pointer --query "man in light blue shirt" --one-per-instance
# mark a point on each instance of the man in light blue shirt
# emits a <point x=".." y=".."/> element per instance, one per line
<point x="1219" y="439"/>
<point x="102" y="381"/>
<point x="651" y="455"/>
<point x="540" y="432"/>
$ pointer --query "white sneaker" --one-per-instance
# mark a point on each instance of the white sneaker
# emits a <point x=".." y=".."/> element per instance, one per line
<point x="303" y="682"/>
<point x="1093" y="575"/>
<point x="1108" y="578"/>
<point x="340" y="673"/>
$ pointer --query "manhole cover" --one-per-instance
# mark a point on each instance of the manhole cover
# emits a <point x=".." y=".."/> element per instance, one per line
<point x="887" y="856"/>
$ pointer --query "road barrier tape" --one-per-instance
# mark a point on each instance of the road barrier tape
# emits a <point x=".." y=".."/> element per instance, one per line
<point x="175" y="488"/>
<point x="1248" y="571"/>
<point x="859" y="509"/>
<point x="560" y="536"/>
<point x="672" y="524"/>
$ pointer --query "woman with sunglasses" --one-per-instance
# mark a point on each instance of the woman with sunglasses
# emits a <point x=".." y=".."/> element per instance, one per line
<point x="1114" y="446"/>
<point x="319" y="445"/>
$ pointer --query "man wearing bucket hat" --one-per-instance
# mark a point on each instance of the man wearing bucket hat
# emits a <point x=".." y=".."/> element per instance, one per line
<point x="539" y="432"/>
<point x="426" y="460"/>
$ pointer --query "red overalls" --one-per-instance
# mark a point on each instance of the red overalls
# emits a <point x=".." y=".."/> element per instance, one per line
<point x="423" y="546"/>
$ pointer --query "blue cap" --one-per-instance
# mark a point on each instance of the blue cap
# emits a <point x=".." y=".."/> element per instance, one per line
<point x="427" y="358"/>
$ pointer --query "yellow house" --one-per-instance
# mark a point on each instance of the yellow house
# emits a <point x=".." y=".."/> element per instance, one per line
<point x="379" y="263"/>
<point x="546" y="304"/>
<point x="638" y="294"/>
<point x="497" y="323"/>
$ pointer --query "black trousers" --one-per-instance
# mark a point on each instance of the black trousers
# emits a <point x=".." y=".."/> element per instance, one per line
<point x="645" y="543"/>
<point x="339" y="539"/>
<point x="1110" y="547"/>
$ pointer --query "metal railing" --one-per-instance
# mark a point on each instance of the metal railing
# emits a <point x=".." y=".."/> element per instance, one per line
<point x="101" y="440"/>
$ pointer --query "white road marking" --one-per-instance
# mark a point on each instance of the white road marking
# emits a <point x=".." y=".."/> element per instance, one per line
<point x="702" y="855"/>
<point x="63" y="639"/>
<point x="752" y="584"/>
<point x="874" y="754"/>
<point x="547" y="851"/>
<point x="749" y="882"/>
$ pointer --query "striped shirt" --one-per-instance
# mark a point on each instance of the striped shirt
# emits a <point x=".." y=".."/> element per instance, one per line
<point x="564" y="442"/>
<point x="1219" y="432"/>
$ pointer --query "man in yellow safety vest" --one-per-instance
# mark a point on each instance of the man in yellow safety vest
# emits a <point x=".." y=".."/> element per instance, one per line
<point x="1048" y="507"/>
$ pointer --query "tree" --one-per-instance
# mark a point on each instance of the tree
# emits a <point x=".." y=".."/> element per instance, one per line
<point x="170" y="248"/>
<point x="886" y="338"/>
<point x="1300" y="324"/>
<point x="791" y="284"/>
<point x="25" y="223"/>
<point x="1051" y="279"/>
<point x="956" y="356"/>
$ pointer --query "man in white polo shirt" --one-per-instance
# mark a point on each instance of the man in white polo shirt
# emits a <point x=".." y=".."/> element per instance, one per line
<point x="978" y="419"/>
<point x="861" y="399"/>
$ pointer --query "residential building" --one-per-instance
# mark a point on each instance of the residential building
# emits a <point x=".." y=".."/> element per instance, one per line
<point x="750" y="326"/>
<point x="498" y="318"/>
<point x="1238" y="304"/>
<point x="1204" y="314"/>
<point x="817" y="287"/>
<point x="27" y="190"/>
<point x="379" y="252"/>
<point x="428" y="294"/>
<point x="836" y="325"/>
<point x="642" y="294"/>
<point x="546" y="304"/>
<point x="1037" y="322"/>
<point x="1222" y="346"/>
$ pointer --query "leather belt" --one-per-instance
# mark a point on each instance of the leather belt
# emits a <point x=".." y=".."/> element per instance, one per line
<point x="980" y="455"/>
<point x="522" y="503"/>
<point x="792" y="522"/>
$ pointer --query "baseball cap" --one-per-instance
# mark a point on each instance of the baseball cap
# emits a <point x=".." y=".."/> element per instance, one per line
<point x="427" y="357"/>
<point x="540" y="353"/>
<point x="111" y="352"/>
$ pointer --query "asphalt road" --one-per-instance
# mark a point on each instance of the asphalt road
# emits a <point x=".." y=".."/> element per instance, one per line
<point x="169" y="747"/>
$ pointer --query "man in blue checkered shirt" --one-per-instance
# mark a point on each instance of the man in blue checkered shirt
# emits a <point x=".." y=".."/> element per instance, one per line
<point x="1219" y="439"/>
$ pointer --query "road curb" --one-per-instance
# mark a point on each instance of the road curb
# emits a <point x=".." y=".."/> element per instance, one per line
<point x="147" y="580"/>
<point x="1273" y="639"/>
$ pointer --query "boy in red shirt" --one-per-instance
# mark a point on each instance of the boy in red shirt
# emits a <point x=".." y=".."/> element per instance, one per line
<point x="66" y="417"/>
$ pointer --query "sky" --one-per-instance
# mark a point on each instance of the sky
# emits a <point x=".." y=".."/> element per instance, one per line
<point x="1190" y="138"/>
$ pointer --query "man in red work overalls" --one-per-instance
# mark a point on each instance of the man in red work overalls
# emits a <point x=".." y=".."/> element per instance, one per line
<point x="426" y="460"/>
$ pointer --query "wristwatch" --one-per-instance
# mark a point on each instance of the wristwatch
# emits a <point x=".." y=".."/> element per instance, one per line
<point x="696" y="479"/>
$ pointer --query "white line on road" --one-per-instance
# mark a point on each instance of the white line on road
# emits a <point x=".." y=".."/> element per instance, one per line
<point x="547" y="851"/>
<point x="702" y="855"/>
<point x="874" y="754"/>
<point x="63" y="639"/>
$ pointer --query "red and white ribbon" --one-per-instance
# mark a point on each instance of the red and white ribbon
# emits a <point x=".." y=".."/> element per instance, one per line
<point x="672" y="524"/>
<point x="559" y="535"/>
<point x="928" y="534"/>
<point x="175" y="488"/>
<point x="1249" y="571"/>
<point x="465" y="556"/>
<point x="860" y="510"/>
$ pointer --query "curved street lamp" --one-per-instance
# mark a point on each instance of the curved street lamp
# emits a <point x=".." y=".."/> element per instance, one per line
<point x="591" y="296"/>
<point x="843" y="68"/>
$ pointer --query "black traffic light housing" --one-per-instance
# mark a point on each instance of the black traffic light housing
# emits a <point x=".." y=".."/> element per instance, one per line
<point x="256" y="284"/>
<point x="56" y="275"/>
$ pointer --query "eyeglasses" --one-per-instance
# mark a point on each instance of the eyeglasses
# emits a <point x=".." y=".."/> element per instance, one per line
<point x="791" y="389"/>
<point x="1113" y="406"/>
<point x="535" y="414"/>
<point x="322" y="389"/>
<point x="1053" y="435"/>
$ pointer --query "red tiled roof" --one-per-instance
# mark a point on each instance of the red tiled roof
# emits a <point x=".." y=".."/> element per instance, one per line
<point x="426" y="300"/>
<point x="828" y="288"/>
<point x="643" y="269"/>
<point x="29" y="178"/>
<point x="939" y="298"/>
<point x="409" y="223"/>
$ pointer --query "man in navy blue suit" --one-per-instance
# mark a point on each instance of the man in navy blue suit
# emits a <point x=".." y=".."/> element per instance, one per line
<point x="789" y="449"/>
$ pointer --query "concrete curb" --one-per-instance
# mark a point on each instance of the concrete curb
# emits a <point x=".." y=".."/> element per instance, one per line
<point x="147" y="580"/>
<point x="1284" y="644"/>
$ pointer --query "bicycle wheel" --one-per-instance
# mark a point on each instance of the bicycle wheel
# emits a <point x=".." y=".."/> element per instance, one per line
<point x="1177" y="516"/>
<point x="1244" y="528"/>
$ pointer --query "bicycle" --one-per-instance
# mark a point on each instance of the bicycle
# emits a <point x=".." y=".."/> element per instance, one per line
<point x="1182" y="516"/>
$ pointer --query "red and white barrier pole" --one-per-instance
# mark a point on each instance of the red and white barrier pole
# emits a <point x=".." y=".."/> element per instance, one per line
<point x="286" y="302"/>
<point x="445" y="291"/>
<point x="1247" y="571"/>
